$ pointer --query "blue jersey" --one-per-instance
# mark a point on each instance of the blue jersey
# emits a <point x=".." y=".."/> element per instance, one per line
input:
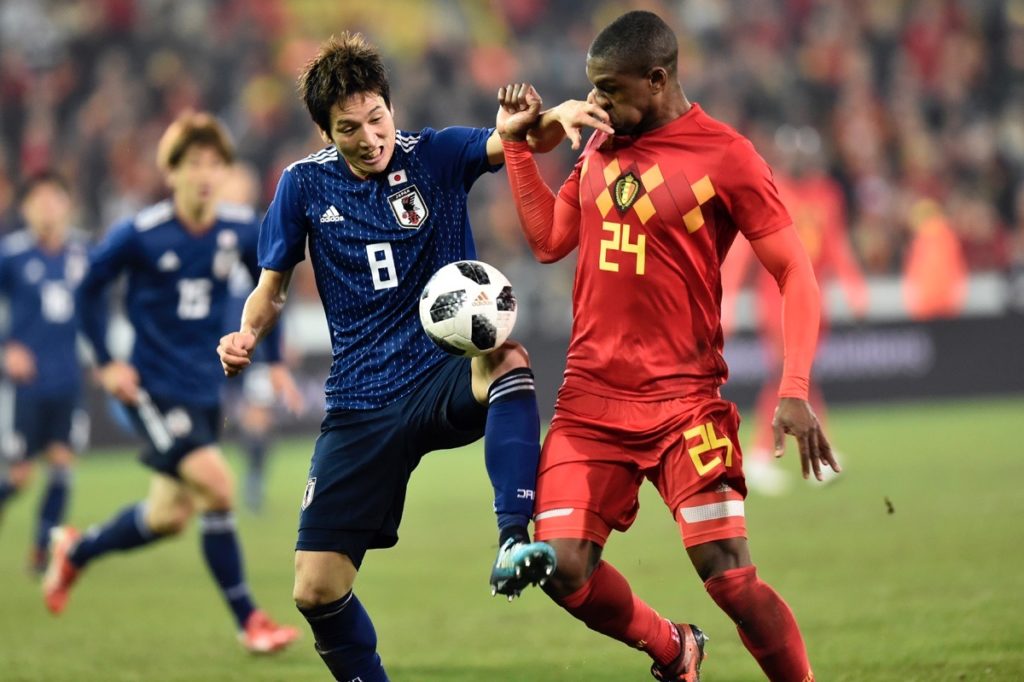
<point x="40" y="289"/>
<point x="374" y="244"/>
<point x="176" y="296"/>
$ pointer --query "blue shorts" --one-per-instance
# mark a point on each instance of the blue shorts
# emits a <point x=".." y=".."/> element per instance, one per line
<point x="30" y="422"/>
<point x="172" y="430"/>
<point x="362" y="460"/>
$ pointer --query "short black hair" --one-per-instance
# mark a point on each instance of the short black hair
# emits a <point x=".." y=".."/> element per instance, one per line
<point x="345" y="65"/>
<point x="46" y="176"/>
<point x="637" y="42"/>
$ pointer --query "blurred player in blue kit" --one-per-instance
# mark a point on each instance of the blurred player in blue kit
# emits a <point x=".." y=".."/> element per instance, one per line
<point x="40" y="268"/>
<point x="382" y="210"/>
<point x="178" y="256"/>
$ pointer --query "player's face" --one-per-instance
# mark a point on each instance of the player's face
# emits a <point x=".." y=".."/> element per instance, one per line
<point x="47" y="210"/>
<point x="197" y="178"/>
<point x="363" y="130"/>
<point x="627" y="98"/>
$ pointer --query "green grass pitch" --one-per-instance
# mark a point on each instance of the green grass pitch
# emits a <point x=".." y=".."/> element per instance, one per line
<point x="930" y="592"/>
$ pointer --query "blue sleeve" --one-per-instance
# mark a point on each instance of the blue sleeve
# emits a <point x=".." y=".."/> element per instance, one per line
<point x="106" y="261"/>
<point x="272" y="342"/>
<point x="282" y="239"/>
<point x="457" y="154"/>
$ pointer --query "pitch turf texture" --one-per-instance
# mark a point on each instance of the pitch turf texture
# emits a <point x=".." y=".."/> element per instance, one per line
<point x="930" y="592"/>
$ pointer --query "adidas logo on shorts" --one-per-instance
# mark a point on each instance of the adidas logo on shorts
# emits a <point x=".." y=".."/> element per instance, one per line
<point x="331" y="215"/>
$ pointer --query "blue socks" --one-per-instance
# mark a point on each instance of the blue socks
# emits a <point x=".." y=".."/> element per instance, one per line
<point x="53" y="505"/>
<point x="346" y="640"/>
<point x="224" y="558"/>
<point x="512" y="449"/>
<point x="126" y="530"/>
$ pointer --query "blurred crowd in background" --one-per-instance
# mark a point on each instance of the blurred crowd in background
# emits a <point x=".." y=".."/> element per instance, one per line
<point x="914" y="110"/>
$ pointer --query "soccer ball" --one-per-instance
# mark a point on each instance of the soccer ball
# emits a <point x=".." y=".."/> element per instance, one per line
<point x="468" y="308"/>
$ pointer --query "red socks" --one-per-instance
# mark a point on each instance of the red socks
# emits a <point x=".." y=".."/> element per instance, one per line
<point x="765" y="623"/>
<point x="606" y="604"/>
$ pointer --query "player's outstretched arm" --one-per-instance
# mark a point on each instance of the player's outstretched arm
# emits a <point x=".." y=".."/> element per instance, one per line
<point x="260" y="315"/>
<point x="783" y="255"/>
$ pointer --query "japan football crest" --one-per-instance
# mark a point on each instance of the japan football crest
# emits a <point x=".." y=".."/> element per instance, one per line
<point x="307" y="496"/>
<point x="409" y="208"/>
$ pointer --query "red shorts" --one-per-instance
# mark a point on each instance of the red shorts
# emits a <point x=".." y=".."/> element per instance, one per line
<point x="599" y="450"/>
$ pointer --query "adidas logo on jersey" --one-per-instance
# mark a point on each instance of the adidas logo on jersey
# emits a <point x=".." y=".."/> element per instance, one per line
<point x="331" y="215"/>
<point x="481" y="299"/>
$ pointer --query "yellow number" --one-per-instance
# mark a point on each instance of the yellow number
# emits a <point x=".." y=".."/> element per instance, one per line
<point x="709" y="440"/>
<point x="619" y="241"/>
<point x="638" y="247"/>
<point x="606" y="244"/>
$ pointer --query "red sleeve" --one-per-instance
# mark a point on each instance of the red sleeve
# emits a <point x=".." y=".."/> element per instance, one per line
<point x="783" y="255"/>
<point x="747" y="187"/>
<point x="551" y="224"/>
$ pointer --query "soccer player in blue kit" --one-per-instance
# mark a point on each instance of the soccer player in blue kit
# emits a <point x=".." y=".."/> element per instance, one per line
<point x="178" y="256"/>
<point x="40" y="268"/>
<point x="381" y="211"/>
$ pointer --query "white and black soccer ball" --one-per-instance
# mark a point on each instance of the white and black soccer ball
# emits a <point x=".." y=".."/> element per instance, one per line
<point x="468" y="308"/>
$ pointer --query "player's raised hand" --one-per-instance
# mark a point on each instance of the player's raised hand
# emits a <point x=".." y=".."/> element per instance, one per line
<point x="120" y="380"/>
<point x="235" y="351"/>
<point x="574" y="115"/>
<point x="795" y="417"/>
<point x="518" y="110"/>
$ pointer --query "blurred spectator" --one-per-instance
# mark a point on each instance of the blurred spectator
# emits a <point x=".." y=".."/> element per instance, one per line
<point x="915" y="100"/>
<point x="935" y="273"/>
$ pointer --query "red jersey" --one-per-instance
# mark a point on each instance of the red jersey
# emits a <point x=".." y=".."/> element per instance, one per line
<point x="658" y="212"/>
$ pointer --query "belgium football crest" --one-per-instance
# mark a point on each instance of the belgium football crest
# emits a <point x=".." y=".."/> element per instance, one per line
<point x="627" y="189"/>
<point x="409" y="208"/>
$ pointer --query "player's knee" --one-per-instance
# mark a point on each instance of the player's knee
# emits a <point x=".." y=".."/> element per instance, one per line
<point x="169" y="523"/>
<point x="321" y="578"/>
<point x="715" y="558"/>
<point x="61" y="457"/>
<point x="220" y="499"/>
<point x="575" y="566"/>
<point x="310" y="593"/>
<point x="512" y="355"/>
<point x="170" y="519"/>
<point x="18" y="477"/>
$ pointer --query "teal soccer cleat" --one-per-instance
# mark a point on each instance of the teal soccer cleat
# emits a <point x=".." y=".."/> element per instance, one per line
<point x="519" y="565"/>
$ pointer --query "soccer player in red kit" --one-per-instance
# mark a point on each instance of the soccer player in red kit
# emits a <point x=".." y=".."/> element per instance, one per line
<point x="653" y="210"/>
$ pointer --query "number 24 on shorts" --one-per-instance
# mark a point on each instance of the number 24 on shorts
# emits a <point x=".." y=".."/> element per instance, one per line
<point x="707" y="440"/>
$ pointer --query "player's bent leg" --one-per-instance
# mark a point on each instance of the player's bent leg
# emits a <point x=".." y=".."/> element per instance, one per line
<point x="208" y="477"/>
<point x="343" y="632"/>
<point x="164" y="512"/>
<point x="504" y="381"/>
<point x="765" y="623"/>
<point x="53" y="504"/>
<point x="593" y="591"/>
